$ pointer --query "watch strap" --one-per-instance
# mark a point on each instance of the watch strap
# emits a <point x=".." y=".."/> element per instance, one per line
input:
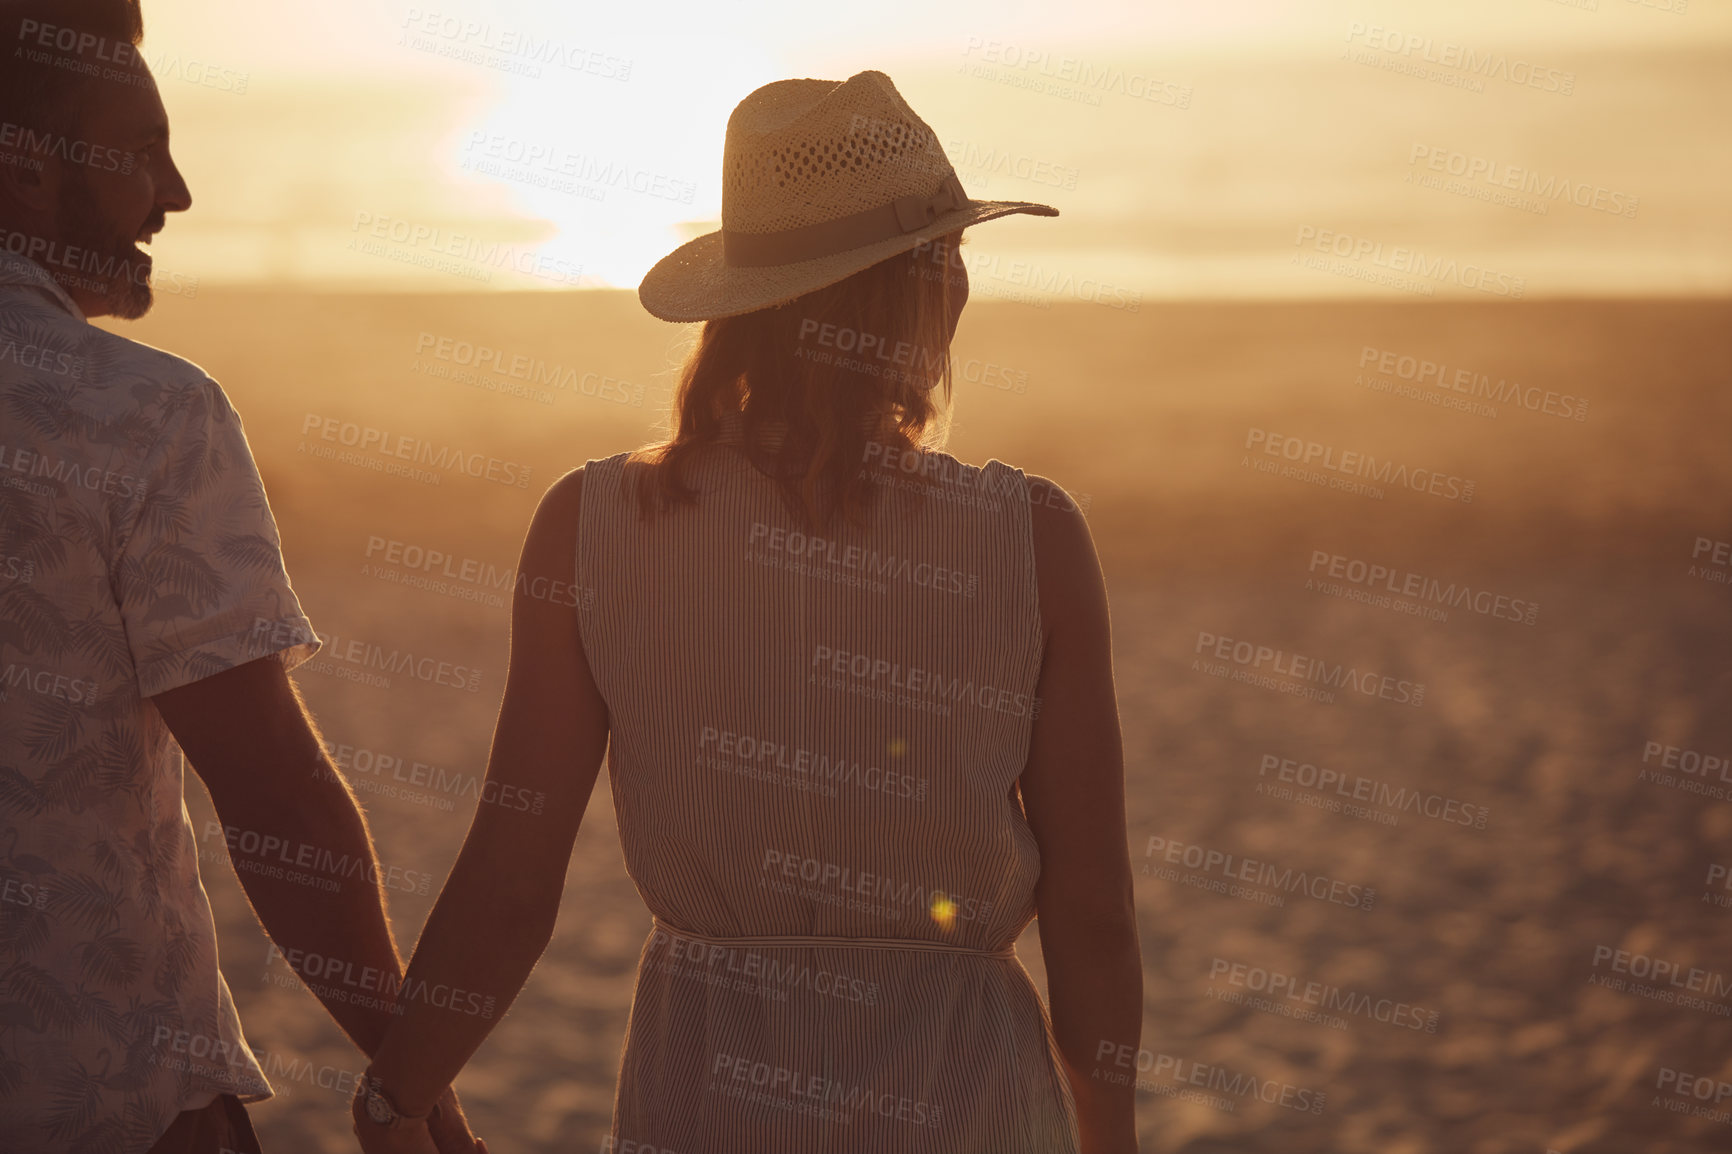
<point x="374" y="1090"/>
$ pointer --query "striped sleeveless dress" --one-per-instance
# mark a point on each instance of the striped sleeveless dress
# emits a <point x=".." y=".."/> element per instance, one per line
<point x="813" y="756"/>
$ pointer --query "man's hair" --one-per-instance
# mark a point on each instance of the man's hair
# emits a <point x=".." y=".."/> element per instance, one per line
<point x="90" y="44"/>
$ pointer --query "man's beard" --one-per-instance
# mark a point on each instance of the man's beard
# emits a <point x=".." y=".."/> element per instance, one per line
<point x="110" y="269"/>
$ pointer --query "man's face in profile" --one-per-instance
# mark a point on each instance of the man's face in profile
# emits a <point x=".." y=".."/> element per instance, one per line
<point x="109" y="209"/>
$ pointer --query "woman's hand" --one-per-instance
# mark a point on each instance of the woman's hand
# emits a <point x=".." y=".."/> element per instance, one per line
<point x="403" y="1138"/>
<point x="445" y="1131"/>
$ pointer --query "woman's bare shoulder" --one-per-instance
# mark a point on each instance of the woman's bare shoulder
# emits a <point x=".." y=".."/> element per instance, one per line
<point x="1066" y="567"/>
<point x="564" y="495"/>
<point x="552" y="534"/>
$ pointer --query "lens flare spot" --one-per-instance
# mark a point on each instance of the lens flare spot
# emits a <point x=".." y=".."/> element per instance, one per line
<point x="943" y="911"/>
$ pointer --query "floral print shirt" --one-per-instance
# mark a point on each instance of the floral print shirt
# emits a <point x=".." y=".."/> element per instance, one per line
<point x="137" y="554"/>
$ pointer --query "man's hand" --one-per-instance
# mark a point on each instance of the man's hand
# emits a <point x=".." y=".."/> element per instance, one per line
<point x="450" y="1129"/>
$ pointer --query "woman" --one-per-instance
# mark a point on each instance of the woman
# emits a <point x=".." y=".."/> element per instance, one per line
<point x="857" y="700"/>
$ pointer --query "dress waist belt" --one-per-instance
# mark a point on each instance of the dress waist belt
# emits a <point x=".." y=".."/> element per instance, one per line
<point x="821" y="942"/>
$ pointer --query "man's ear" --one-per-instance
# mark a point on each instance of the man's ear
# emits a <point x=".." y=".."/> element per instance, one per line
<point x="24" y="187"/>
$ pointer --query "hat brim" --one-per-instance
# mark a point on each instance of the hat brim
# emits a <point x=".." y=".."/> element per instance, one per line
<point x="696" y="283"/>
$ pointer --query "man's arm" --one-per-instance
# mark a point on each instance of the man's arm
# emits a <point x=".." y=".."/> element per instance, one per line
<point x="250" y="738"/>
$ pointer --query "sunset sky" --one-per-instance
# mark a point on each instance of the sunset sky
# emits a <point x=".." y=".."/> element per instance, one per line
<point x="313" y="137"/>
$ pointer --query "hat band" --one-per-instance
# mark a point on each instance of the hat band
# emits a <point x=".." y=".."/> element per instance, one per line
<point x="903" y="215"/>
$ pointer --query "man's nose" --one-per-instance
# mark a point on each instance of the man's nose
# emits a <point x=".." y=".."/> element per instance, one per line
<point x="172" y="193"/>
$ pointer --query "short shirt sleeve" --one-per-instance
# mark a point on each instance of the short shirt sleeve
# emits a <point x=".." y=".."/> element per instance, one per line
<point x="200" y="580"/>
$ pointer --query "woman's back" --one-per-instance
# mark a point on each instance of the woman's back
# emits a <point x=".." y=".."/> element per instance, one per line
<point x="814" y="750"/>
<point x="830" y="785"/>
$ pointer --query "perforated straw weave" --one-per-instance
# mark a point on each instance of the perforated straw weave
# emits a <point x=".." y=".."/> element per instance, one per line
<point x="820" y="179"/>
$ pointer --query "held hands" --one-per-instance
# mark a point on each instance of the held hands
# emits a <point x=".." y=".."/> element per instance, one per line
<point x="450" y="1129"/>
<point x="445" y="1131"/>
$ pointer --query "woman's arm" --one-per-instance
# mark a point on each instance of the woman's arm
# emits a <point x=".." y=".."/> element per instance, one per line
<point x="496" y="911"/>
<point x="1073" y="792"/>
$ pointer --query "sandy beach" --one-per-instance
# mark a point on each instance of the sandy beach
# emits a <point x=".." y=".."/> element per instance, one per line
<point x="1427" y="604"/>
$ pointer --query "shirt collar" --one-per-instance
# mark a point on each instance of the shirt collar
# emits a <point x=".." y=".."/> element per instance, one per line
<point x="21" y="270"/>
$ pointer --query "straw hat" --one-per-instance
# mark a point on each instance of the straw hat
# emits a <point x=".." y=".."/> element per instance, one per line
<point x="820" y="179"/>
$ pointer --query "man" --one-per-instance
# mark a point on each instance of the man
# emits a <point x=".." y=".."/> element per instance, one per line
<point x="143" y="602"/>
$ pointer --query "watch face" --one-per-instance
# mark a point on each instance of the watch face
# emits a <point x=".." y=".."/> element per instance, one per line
<point x="379" y="1110"/>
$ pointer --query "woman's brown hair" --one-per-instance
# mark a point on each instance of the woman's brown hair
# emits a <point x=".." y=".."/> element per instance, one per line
<point x="839" y="369"/>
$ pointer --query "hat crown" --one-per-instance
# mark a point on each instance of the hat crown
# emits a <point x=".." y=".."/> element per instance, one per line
<point x="803" y="152"/>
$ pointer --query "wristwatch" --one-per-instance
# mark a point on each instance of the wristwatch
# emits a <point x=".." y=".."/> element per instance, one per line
<point x="381" y="1111"/>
